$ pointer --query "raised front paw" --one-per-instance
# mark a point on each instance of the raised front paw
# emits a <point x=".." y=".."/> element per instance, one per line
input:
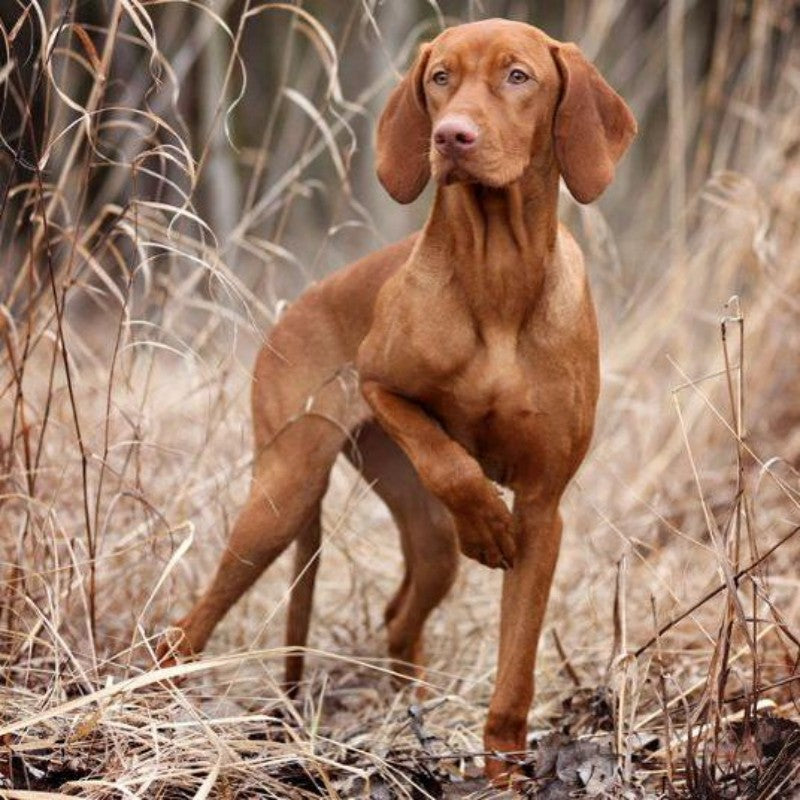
<point x="486" y="531"/>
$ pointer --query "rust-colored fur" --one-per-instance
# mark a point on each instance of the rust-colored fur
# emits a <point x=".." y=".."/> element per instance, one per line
<point x="473" y="343"/>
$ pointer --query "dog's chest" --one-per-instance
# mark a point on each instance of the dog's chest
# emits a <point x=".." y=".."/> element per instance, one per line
<point x="510" y="387"/>
<point x="515" y="402"/>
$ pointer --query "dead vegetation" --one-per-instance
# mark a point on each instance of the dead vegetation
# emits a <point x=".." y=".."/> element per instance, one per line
<point x="167" y="182"/>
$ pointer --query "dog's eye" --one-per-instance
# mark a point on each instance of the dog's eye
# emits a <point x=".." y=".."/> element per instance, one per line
<point x="440" y="77"/>
<point x="517" y="76"/>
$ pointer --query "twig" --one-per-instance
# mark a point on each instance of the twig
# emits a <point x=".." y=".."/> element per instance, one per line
<point x="713" y="593"/>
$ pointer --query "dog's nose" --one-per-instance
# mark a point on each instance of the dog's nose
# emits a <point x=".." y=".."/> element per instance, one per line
<point x="455" y="135"/>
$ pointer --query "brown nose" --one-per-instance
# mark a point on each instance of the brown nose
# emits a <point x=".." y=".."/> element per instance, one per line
<point x="455" y="135"/>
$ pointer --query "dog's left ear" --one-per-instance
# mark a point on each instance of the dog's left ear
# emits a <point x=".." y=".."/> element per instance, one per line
<point x="593" y="126"/>
<point x="404" y="135"/>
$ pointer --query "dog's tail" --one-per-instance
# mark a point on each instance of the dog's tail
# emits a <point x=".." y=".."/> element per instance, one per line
<point x="306" y="563"/>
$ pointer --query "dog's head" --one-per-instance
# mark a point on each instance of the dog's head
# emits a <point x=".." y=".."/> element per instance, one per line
<point x="483" y="99"/>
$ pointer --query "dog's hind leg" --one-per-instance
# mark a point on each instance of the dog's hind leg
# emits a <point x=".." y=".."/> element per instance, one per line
<point x="428" y="538"/>
<point x="290" y="476"/>
<point x="306" y="564"/>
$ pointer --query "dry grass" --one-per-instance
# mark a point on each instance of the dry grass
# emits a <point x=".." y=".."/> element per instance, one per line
<point x="162" y="193"/>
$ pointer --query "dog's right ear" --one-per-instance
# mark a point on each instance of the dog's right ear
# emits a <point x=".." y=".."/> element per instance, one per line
<point x="404" y="135"/>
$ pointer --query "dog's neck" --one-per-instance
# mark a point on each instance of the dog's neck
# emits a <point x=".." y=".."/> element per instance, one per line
<point x="498" y="242"/>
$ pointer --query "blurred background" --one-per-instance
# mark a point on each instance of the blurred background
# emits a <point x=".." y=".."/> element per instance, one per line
<point x="173" y="173"/>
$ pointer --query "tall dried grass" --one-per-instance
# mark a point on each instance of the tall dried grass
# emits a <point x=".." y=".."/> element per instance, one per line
<point x="167" y="181"/>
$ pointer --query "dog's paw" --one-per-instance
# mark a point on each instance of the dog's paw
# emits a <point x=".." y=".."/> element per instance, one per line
<point x="486" y="532"/>
<point x="173" y="649"/>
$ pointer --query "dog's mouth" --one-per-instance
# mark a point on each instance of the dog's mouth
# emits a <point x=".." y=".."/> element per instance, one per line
<point x="456" y="174"/>
<point x="452" y="169"/>
<point x="449" y="170"/>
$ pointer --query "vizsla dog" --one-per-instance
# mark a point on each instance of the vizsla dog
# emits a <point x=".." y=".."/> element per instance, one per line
<point x="463" y="355"/>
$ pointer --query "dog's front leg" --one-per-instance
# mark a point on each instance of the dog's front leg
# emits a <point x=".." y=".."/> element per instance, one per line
<point x="526" y="588"/>
<point x="485" y="526"/>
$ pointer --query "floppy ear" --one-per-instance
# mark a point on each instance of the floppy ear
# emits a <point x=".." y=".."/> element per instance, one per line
<point x="404" y="133"/>
<point x="593" y="125"/>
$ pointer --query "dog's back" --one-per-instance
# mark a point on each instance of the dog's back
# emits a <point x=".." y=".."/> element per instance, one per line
<point x="305" y="364"/>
